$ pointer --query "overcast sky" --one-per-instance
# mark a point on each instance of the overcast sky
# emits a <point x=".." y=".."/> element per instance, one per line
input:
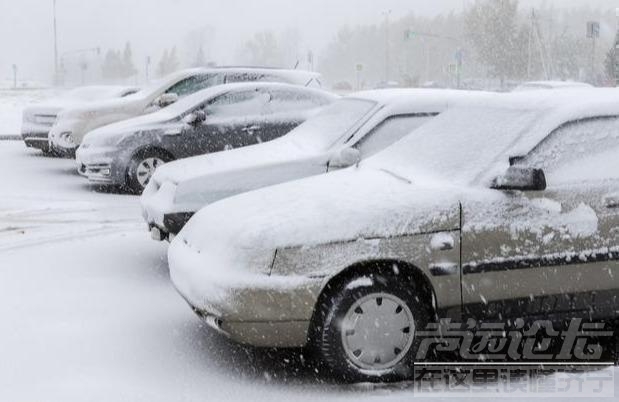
<point x="26" y="25"/>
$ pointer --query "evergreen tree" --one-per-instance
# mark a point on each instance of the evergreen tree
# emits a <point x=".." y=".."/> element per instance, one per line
<point x="493" y="29"/>
<point x="162" y="67"/>
<point x="200" y="60"/>
<point x="129" y="69"/>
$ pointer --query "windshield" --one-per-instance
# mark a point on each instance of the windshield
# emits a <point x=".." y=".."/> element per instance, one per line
<point x="458" y="146"/>
<point x="324" y="130"/>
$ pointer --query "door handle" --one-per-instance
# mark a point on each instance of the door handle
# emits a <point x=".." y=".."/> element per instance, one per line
<point x="611" y="201"/>
<point x="250" y="129"/>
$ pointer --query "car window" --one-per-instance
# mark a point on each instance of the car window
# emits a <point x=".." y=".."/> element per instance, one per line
<point x="389" y="132"/>
<point x="580" y="151"/>
<point x="252" y="77"/>
<point x="193" y="84"/>
<point x="283" y="101"/>
<point x="243" y="103"/>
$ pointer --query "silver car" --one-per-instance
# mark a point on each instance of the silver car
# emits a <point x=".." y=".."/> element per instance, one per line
<point x="508" y="210"/>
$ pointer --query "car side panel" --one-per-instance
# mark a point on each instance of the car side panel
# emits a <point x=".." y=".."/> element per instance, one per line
<point x="440" y="267"/>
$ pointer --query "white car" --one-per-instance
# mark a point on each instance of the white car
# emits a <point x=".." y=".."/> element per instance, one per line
<point x="38" y="120"/>
<point x="72" y="125"/>
<point x="349" y="130"/>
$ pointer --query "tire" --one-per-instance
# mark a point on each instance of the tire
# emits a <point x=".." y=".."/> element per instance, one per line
<point x="142" y="167"/>
<point x="366" y="332"/>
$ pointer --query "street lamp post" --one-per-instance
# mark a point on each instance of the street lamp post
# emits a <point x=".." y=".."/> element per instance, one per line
<point x="56" y="73"/>
<point x="14" y="76"/>
<point x="617" y="50"/>
<point x="387" y="14"/>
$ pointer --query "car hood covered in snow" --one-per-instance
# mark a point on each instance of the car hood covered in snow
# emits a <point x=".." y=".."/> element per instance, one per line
<point x="347" y="205"/>
<point x="240" y="158"/>
<point x="145" y="122"/>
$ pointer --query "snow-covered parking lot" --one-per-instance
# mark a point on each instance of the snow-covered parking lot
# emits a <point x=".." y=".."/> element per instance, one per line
<point x="89" y="312"/>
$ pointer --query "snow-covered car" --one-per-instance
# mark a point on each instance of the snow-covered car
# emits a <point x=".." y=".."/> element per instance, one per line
<point x="493" y="212"/>
<point x="215" y="119"/>
<point x="341" y="135"/>
<point x="38" y="120"/>
<point x="73" y="124"/>
<point x="551" y="85"/>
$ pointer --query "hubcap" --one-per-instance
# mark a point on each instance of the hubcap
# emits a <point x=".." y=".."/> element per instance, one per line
<point x="378" y="331"/>
<point x="146" y="169"/>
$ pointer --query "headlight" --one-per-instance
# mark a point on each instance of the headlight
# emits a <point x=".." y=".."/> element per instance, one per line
<point x="66" y="139"/>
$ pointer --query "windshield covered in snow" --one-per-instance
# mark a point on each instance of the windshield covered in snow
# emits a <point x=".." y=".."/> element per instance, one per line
<point x="324" y="130"/>
<point x="459" y="145"/>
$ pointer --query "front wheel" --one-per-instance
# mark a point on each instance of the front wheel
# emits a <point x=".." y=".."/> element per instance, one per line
<point x="142" y="167"/>
<point x="368" y="329"/>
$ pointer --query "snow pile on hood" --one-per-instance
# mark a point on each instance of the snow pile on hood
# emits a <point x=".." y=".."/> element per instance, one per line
<point x="346" y="205"/>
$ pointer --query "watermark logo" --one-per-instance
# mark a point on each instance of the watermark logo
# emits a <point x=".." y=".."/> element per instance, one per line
<point x="539" y="341"/>
<point x="535" y="359"/>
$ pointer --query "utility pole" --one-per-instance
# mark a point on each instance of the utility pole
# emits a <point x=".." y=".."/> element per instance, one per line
<point x="14" y="76"/>
<point x="530" y="46"/>
<point x="617" y="50"/>
<point x="593" y="33"/>
<point x="56" y="73"/>
<point x="148" y="60"/>
<point x="387" y="14"/>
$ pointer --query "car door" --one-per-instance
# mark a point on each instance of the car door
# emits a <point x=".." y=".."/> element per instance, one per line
<point x="233" y="120"/>
<point x="552" y="252"/>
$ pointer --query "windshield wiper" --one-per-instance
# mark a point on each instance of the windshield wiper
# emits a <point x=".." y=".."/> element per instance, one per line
<point x="397" y="176"/>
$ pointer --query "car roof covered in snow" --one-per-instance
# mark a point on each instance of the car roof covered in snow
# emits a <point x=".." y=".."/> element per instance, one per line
<point x="466" y="142"/>
<point x="196" y="98"/>
<point x="403" y="100"/>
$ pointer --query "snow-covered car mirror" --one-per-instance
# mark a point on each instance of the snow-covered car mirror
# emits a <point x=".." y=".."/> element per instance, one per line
<point x="196" y="117"/>
<point x="345" y="157"/>
<point x="165" y="100"/>
<point x="522" y="179"/>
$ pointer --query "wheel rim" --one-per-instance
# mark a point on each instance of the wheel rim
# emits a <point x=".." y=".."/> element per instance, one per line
<point x="378" y="331"/>
<point x="146" y="169"/>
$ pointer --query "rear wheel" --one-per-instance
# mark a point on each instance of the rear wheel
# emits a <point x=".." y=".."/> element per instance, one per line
<point x="368" y="329"/>
<point x="142" y="167"/>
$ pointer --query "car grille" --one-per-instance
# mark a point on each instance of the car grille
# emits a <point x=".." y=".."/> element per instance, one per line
<point x="45" y="119"/>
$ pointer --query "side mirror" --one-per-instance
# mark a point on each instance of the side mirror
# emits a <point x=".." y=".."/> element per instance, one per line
<point x="165" y="100"/>
<point x="345" y="157"/>
<point x="522" y="179"/>
<point x="195" y="118"/>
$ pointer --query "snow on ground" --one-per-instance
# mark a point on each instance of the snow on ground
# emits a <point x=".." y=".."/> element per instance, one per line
<point x="88" y="311"/>
<point x="12" y="103"/>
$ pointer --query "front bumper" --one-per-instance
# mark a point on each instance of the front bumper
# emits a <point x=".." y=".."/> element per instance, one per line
<point x="38" y="140"/>
<point x="172" y="226"/>
<point x="256" y="309"/>
<point x="160" y="211"/>
<point x="101" y="166"/>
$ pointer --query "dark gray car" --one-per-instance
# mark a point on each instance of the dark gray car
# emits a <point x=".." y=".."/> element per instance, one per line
<point x="216" y="119"/>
